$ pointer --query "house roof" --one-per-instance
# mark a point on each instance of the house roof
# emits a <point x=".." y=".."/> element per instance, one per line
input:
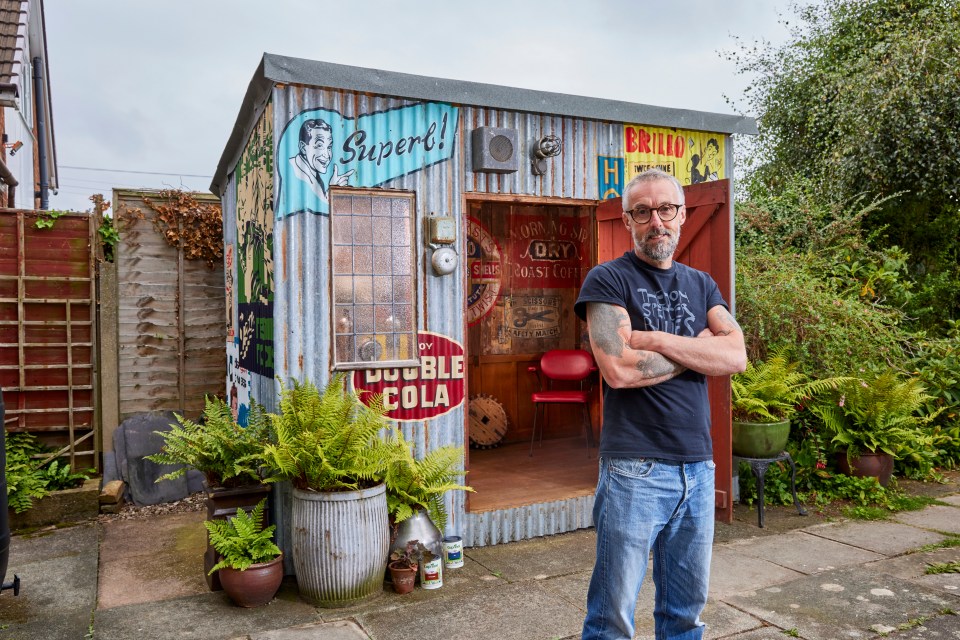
<point x="13" y="31"/>
<point x="275" y="69"/>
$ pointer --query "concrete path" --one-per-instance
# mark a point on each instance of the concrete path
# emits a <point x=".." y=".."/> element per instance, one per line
<point x="840" y="580"/>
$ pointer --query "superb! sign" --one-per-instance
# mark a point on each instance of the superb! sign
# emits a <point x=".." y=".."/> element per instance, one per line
<point x="412" y="394"/>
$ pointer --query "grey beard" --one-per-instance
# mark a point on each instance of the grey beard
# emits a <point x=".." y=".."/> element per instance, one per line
<point x="661" y="252"/>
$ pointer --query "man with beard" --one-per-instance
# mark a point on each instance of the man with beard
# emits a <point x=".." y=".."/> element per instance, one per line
<point x="657" y="328"/>
<point x="315" y="152"/>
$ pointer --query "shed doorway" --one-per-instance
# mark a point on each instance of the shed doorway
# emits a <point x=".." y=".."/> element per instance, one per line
<point x="525" y="261"/>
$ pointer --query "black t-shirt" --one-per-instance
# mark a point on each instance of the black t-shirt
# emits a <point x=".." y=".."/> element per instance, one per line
<point x="670" y="420"/>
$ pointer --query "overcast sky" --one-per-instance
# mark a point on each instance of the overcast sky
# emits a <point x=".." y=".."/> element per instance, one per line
<point x="153" y="87"/>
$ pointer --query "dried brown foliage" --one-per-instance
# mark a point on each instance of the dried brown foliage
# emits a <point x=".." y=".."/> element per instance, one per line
<point x="186" y="222"/>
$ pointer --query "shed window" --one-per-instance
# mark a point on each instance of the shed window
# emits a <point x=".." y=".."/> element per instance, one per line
<point x="372" y="252"/>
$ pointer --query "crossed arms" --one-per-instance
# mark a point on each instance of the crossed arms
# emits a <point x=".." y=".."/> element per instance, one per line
<point x="628" y="358"/>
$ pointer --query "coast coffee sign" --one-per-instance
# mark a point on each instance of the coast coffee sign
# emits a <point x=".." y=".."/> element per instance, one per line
<point x="412" y="394"/>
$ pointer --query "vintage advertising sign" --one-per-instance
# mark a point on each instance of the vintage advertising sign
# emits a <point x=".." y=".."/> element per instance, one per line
<point x="238" y="384"/>
<point x="485" y="269"/>
<point x="533" y="316"/>
<point x="691" y="156"/>
<point x="413" y="394"/>
<point x="547" y="253"/>
<point x="320" y="148"/>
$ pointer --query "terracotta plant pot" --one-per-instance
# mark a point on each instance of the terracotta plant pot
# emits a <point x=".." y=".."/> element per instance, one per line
<point x="760" y="439"/>
<point x="256" y="585"/>
<point x="403" y="577"/>
<point x="869" y="464"/>
<point x="222" y="504"/>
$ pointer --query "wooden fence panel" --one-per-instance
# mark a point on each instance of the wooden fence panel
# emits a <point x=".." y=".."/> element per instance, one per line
<point x="48" y="330"/>
<point x="172" y="328"/>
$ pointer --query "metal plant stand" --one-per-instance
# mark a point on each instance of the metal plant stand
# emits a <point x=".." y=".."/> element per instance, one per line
<point x="759" y="467"/>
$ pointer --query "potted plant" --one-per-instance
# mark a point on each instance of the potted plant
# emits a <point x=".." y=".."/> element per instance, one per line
<point x="872" y="421"/>
<point x="328" y="447"/>
<point x="229" y="456"/>
<point x="765" y="398"/>
<point x="251" y="564"/>
<point x="420" y="484"/>
<point x="404" y="563"/>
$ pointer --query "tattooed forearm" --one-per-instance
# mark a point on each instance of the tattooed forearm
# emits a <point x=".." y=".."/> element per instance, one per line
<point x="654" y="365"/>
<point x="604" y="322"/>
<point x="729" y="325"/>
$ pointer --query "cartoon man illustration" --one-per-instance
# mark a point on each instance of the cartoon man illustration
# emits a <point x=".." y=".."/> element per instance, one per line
<point x="706" y="168"/>
<point x="313" y="159"/>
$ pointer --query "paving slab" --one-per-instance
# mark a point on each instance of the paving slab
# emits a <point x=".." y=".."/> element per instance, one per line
<point x="954" y="500"/>
<point x="339" y="630"/>
<point x="804" y="552"/>
<point x="733" y="571"/>
<point x="545" y="556"/>
<point x="171" y="566"/>
<point x="521" y="611"/>
<point x="888" y="538"/>
<point x="913" y="567"/>
<point x="210" y="616"/>
<point x="935" y="517"/>
<point x="58" y="589"/>
<point x="843" y="603"/>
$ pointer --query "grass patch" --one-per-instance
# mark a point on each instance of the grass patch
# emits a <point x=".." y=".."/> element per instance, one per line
<point x="947" y="543"/>
<point x="867" y="513"/>
<point x="942" y="567"/>
<point x="903" y="502"/>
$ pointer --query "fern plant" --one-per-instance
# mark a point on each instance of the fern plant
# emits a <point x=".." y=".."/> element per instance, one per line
<point x="241" y="540"/>
<point x="421" y="484"/>
<point x="772" y="390"/>
<point x="29" y="479"/>
<point x="882" y="414"/>
<point x="328" y="440"/>
<point x="227" y="454"/>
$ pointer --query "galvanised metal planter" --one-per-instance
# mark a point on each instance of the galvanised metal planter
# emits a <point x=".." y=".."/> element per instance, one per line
<point x="340" y="544"/>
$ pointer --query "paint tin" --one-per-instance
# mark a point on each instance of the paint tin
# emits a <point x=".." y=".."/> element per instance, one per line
<point x="431" y="573"/>
<point x="453" y="552"/>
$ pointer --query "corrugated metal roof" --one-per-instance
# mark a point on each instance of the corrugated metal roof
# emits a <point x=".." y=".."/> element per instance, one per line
<point x="275" y="69"/>
<point x="13" y="29"/>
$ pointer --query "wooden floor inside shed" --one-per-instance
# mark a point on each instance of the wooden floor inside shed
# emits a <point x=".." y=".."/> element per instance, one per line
<point x="508" y="476"/>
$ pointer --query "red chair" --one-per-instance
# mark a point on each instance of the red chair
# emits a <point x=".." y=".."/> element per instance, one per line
<point x="568" y="365"/>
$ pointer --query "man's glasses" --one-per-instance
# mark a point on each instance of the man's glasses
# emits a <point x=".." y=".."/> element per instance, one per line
<point x="667" y="212"/>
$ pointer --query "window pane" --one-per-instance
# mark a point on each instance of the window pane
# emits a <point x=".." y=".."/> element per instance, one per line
<point x="403" y="290"/>
<point x="384" y="319"/>
<point x="382" y="289"/>
<point x="401" y="208"/>
<point x="345" y="351"/>
<point x="340" y="205"/>
<point x="363" y="260"/>
<point x="400" y="230"/>
<point x="382" y="259"/>
<point x="361" y="205"/>
<point x="343" y="259"/>
<point x="363" y="289"/>
<point x="362" y="233"/>
<point x="382" y="235"/>
<point x="364" y="318"/>
<point x="401" y="261"/>
<point x="381" y="206"/>
<point x="402" y="318"/>
<point x="344" y="319"/>
<point x="343" y="289"/>
<point x="406" y="347"/>
<point x="342" y="230"/>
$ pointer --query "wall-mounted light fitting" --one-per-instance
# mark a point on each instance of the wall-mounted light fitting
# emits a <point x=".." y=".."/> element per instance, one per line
<point x="13" y="146"/>
<point x="545" y="147"/>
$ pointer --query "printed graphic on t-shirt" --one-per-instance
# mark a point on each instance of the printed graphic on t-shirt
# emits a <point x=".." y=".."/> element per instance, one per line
<point x="667" y="311"/>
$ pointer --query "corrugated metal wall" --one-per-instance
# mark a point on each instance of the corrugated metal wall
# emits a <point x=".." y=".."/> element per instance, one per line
<point x="301" y="254"/>
<point x="172" y="327"/>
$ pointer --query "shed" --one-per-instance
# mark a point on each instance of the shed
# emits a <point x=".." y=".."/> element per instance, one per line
<point x="430" y="236"/>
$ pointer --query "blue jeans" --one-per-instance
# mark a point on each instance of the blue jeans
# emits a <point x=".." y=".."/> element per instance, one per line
<point x="645" y="505"/>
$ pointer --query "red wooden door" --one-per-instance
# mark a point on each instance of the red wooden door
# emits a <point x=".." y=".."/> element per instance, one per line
<point x="705" y="244"/>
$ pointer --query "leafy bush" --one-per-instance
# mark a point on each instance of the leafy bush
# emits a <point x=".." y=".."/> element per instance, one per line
<point x="27" y="479"/>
